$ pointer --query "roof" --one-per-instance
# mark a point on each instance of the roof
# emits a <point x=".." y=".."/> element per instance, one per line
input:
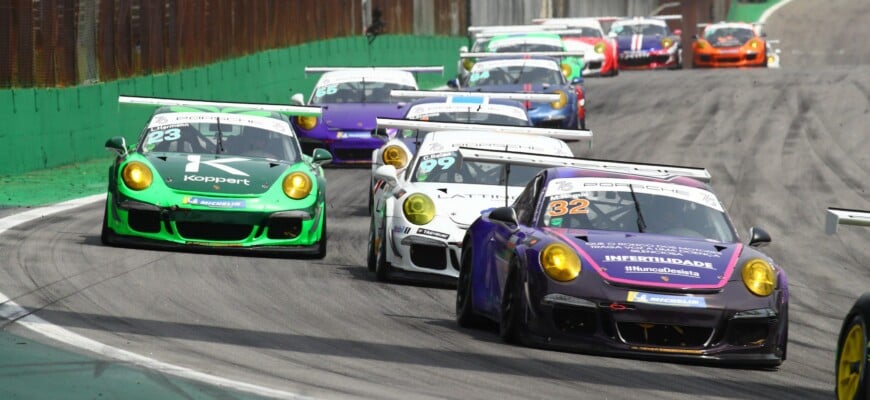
<point x="441" y="141"/>
<point x="175" y="118"/>
<point x="391" y="75"/>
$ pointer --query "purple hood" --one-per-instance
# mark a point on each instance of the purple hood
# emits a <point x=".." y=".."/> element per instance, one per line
<point x="647" y="43"/>
<point x="652" y="260"/>
<point x="359" y="117"/>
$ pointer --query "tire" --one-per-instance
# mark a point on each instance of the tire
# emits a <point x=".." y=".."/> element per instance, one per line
<point x="851" y="364"/>
<point x="382" y="267"/>
<point x="465" y="315"/>
<point x="511" y="306"/>
<point x="372" y="256"/>
<point x="582" y="123"/>
<point x="321" y="246"/>
<point x="106" y="233"/>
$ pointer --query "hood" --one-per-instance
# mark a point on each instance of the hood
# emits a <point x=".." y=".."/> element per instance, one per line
<point x="639" y="42"/>
<point x="216" y="174"/>
<point x="359" y="117"/>
<point x="652" y="260"/>
<point x="464" y="203"/>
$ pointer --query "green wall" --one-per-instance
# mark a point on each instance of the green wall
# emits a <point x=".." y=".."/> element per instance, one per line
<point x="45" y="128"/>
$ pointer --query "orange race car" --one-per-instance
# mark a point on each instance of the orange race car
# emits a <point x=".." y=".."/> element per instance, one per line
<point x="730" y="44"/>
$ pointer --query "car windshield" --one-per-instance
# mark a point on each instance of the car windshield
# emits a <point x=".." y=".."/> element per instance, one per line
<point x="449" y="167"/>
<point x="731" y="36"/>
<point x="582" y="32"/>
<point x="616" y="210"/>
<point x="524" y="48"/>
<point x="232" y="139"/>
<point x="639" y="29"/>
<point x="514" y="75"/>
<point x="356" y="92"/>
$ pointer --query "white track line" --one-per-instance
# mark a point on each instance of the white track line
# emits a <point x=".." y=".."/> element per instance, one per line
<point x="12" y="311"/>
<point x="767" y="13"/>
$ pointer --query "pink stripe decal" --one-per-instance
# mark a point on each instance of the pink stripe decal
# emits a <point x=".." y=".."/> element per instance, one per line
<point x="728" y="270"/>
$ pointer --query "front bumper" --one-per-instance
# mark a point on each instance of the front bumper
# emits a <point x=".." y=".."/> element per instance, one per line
<point x="346" y="147"/>
<point x="433" y="249"/>
<point x="654" y="59"/>
<point x="132" y="222"/>
<point x="544" y="116"/>
<point x="730" y="59"/>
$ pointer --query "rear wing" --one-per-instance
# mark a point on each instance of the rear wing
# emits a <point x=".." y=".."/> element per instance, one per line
<point x="431" y="69"/>
<point x="563" y="134"/>
<point x="535" y="97"/>
<point x="557" y="54"/>
<point x="841" y="216"/>
<point x="651" y="170"/>
<point x="501" y="29"/>
<point x="305" y="111"/>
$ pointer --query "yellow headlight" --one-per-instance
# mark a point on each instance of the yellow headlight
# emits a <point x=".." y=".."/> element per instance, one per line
<point x="419" y="209"/>
<point x="667" y="43"/>
<point x="306" y="123"/>
<point x="771" y="59"/>
<point x="566" y="69"/>
<point x="759" y="277"/>
<point x="560" y="262"/>
<point x="563" y="99"/>
<point x="297" y="185"/>
<point x="395" y="156"/>
<point x="701" y="44"/>
<point x="137" y="176"/>
<point x="600" y="47"/>
<point x="753" y="44"/>
<point x="468" y="63"/>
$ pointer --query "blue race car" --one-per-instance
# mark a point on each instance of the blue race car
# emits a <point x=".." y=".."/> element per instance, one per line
<point x="530" y="73"/>
<point x="647" y="43"/>
<point x="624" y="260"/>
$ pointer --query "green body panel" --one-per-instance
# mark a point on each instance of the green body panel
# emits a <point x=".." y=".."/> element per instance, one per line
<point x="259" y="176"/>
<point x="575" y="62"/>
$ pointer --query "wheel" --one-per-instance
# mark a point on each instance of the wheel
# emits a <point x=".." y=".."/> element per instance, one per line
<point x="372" y="256"/>
<point x="382" y="267"/>
<point x="106" y="233"/>
<point x="582" y="123"/>
<point x="852" y="360"/>
<point x="511" y="309"/>
<point x="321" y="246"/>
<point x="464" y="311"/>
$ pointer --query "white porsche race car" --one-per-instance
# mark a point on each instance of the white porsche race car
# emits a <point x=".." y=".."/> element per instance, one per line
<point x="421" y="212"/>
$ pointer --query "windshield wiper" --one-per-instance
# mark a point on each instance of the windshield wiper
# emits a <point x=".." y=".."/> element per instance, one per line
<point x="219" y="139"/>
<point x="520" y="76"/>
<point x="641" y="225"/>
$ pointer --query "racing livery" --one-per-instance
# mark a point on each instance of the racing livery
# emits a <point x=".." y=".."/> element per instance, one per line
<point x="614" y="260"/>
<point x="351" y="99"/>
<point x="852" y="345"/>
<point x="207" y="175"/>
<point x="646" y="43"/>
<point x="731" y="44"/>
<point x="587" y="35"/>
<point x="420" y="215"/>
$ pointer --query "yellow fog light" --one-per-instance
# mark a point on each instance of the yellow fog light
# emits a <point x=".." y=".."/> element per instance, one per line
<point x="567" y="70"/>
<point x="560" y="262"/>
<point x="563" y="99"/>
<point x="667" y="43"/>
<point x="306" y="123"/>
<point x="395" y="156"/>
<point x="137" y="175"/>
<point x="759" y="277"/>
<point x="419" y="209"/>
<point x="467" y="64"/>
<point x="599" y="47"/>
<point x="297" y="185"/>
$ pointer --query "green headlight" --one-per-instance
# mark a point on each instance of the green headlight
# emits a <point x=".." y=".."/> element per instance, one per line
<point x="560" y="262"/>
<point x="759" y="277"/>
<point x="419" y="209"/>
<point x="137" y="175"/>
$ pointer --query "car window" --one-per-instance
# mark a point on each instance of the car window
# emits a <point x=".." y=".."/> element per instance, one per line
<point x="515" y="74"/>
<point x="214" y="138"/>
<point x="449" y="167"/>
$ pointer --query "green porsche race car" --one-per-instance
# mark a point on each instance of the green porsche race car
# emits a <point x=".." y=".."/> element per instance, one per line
<point x="213" y="176"/>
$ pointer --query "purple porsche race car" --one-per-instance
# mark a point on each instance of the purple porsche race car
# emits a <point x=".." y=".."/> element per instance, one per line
<point x="352" y="99"/>
<point x="639" y="261"/>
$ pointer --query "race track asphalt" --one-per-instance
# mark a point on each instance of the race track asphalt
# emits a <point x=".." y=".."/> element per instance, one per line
<point x="782" y="145"/>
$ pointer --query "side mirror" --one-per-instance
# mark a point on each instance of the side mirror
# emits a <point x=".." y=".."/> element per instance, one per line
<point x="505" y="215"/>
<point x="758" y="237"/>
<point x="321" y="156"/>
<point x="297" y="100"/>
<point x="453" y="83"/>
<point x="117" y="145"/>
<point x="678" y="32"/>
<point x="577" y="80"/>
<point x="387" y="173"/>
<point x="463" y="49"/>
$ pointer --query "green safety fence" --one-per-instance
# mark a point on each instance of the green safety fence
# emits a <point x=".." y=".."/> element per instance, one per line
<point x="46" y="128"/>
<point x="746" y="11"/>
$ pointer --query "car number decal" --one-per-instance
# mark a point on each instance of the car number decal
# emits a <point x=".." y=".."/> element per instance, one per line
<point x="478" y="76"/>
<point x="444" y="162"/>
<point x="155" y="137"/>
<point x="324" y="90"/>
<point x="558" y="208"/>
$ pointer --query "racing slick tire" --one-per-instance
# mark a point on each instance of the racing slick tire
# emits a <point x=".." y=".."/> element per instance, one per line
<point x="465" y="315"/>
<point x="511" y="308"/>
<point x="372" y="256"/>
<point x="321" y="245"/>
<point x="851" y="365"/>
<point x="382" y="267"/>
<point x="106" y="233"/>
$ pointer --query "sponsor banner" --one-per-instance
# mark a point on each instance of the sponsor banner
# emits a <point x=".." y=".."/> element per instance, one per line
<point x="659" y="260"/>
<point x="216" y="180"/>
<point x="636" y="269"/>
<point x="427" y="232"/>
<point x="215" y="203"/>
<point x="666" y="300"/>
<point x="582" y="186"/>
<point x="486" y="65"/>
<point x="185" y="118"/>
<point x="353" y="135"/>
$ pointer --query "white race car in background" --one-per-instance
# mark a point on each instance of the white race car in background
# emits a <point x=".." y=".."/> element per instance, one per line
<point x="420" y="215"/>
